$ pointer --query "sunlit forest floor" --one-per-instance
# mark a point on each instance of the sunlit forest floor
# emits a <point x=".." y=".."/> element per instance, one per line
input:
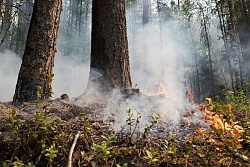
<point x="61" y="133"/>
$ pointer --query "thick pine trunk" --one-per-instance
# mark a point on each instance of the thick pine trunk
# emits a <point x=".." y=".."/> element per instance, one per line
<point x="109" y="67"/>
<point x="38" y="58"/>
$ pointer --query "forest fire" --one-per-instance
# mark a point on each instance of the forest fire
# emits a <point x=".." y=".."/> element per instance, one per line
<point x="213" y="127"/>
<point x="220" y="127"/>
<point x="162" y="91"/>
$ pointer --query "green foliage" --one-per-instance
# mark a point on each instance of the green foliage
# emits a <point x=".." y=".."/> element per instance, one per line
<point x="131" y="123"/>
<point x="17" y="163"/>
<point x="124" y="165"/>
<point x="152" y="156"/>
<point x="49" y="92"/>
<point x="51" y="153"/>
<point x="103" y="151"/>
<point x="38" y="137"/>
<point x="238" y="100"/>
<point x="154" y="120"/>
<point x="169" y="149"/>
<point x="41" y="94"/>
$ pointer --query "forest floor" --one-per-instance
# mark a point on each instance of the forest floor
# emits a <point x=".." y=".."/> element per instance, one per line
<point x="43" y="133"/>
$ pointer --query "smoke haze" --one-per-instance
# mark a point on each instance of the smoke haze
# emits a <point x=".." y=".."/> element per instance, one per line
<point x="155" y="57"/>
<point x="9" y="68"/>
<point x="71" y="75"/>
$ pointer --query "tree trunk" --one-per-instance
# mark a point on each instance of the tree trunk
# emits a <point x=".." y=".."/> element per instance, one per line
<point x="236" y="54"/>
<point x="6" y="25"/>
<point x="109" y="66"/>
<point x="225" y="36"/>
<point x="145" y="20"/>
<point x="244" y="35"/>
<point x="209" y="54"/>
<point x="146" y="11"/>
<point x="38" y="58"/>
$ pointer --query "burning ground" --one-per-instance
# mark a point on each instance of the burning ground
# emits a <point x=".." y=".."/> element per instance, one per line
<point x="132" y="130"/>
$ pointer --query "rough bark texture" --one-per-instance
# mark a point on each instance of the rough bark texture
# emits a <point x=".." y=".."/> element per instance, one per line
<point x="38" y="58"/>
<point x="109" y="48"/>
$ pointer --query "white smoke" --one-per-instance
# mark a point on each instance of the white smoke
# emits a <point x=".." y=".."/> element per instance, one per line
<point x="162" y="55"/>
<point x="9" y="67"/>
<point x="71" y="75"/>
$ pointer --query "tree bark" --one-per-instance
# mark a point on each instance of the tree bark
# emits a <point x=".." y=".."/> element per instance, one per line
<point x="38" y="58"/>
<point x="236" y="54"/>
<point x="109" y="66"/>
<point x="244" y="35"/>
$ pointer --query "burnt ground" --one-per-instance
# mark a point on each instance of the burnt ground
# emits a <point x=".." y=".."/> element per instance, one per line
<point x="26" y="136"/>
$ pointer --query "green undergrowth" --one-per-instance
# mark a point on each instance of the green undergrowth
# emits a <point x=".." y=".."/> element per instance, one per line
<point x="46" y="141"/>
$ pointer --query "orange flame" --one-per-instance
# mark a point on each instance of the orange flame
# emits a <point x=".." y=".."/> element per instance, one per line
<point x="191" y="96"/>
<point x="162" y="91"/>
<point x="228" y="129"/>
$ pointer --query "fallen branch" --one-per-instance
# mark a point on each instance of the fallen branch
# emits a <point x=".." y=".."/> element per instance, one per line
<point x="72" y="149"/>
<point x="240" y="156"/>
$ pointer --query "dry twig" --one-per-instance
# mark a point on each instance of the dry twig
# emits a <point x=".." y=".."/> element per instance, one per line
<point x="72" y="149"/>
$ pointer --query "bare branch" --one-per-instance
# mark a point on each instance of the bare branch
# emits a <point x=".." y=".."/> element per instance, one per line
<point x="72" y="149"/>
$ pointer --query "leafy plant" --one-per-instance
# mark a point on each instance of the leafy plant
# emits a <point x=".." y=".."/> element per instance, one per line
<point x="51" y="153"/>
<point x="103" y="151"/>
<point x="124" y="165"/>
<point x="17" y="163"/>
<point x="131" y="123"/>
<point x="154" y="120"/>
<point x="152" y="156"/>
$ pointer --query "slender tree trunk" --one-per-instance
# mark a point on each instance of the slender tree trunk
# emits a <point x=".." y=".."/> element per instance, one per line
<point x="236" y="54"/>
<point x="209" y="54"/>
<point x="38" y="58"/>
<point x="219" y="10"/>
<point x="80" y="19"/>
<point x="145" y="20"/>
<point x="6" y="24"/>
<point x="244" y="35"/>
<point x="109" y="66"/>
<point x="146" y="11"/>
<point x="198" y="90"/>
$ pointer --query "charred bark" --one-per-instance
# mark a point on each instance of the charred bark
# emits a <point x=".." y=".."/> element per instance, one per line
<point x="109" y="66"/>
<point x="38" y="58"/>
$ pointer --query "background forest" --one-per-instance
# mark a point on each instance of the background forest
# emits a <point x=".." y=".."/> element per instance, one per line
<point x="201" y="45"/>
